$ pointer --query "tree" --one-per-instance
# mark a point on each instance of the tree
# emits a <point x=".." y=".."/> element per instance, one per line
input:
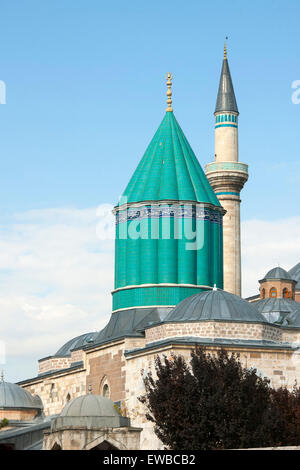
<point x="288" y="407"/>
<point x="213" y="403"/>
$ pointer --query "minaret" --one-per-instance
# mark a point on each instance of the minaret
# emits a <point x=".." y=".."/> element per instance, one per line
<point x="227" y="176"/>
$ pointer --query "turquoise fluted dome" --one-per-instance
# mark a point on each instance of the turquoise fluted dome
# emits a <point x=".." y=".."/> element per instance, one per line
<point x="168" y="226"/>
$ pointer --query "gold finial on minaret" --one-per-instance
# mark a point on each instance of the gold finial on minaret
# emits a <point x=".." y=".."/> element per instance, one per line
<point x="225" y="48"/>
<point x="169" y="78"/>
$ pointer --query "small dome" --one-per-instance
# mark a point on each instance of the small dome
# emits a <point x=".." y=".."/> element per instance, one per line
<point x="295" y="274"/>
<point x="75" y="343"/>
<point x="14" y="397"/>
<point x="90" y="405"/>
<point x="214" y="305"/>
<point x="278" y="273"/>
<point x="276" y="309"/>
<point x="90" y="412"/>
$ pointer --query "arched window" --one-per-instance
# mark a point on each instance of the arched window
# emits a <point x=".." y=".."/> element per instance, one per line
<point x="68" y="398"/>
<point x="273" y="292"/>
<point x="222" y="118"/>
<point x="105" y="391"/>
<point x="285" y="293"/>
<point x="229" y="117"/>
<point x="225" y="117"/>
<point x="263" y="293"/>
<point x="56" y="447"/>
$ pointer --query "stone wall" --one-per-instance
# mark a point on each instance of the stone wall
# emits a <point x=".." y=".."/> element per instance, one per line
<point x="53" y="363"/>
<point x="82" y="439"/>
<point x="18" y="415"/>
<point x="290" y="335"/>
<point x="214" y="329"/>
<point x="55" y="391"/>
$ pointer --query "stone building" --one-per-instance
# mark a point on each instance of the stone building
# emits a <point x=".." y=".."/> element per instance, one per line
<point x="174" y="227"/>
<point x="22" y="421"/>
<point x="91" y="422"/>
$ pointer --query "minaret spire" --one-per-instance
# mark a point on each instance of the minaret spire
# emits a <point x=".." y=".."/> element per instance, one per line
<point x="169" y="78"/>
<point x="225" y="49"/>
<point x="226" y="98"/>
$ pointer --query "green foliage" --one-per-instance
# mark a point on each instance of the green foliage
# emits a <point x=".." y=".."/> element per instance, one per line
<point x="3" y="423"/>
<point x="215" y="403"/>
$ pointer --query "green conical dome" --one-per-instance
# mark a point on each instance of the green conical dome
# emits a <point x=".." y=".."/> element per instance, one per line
<point x="168" y="227"/>
<point x="169" y="170"/>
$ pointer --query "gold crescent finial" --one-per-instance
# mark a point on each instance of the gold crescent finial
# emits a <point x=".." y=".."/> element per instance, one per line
<point x="225" y="48"/>
<point x="169" y="78"/>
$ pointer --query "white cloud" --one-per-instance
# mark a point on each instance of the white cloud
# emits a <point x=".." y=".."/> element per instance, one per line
<point x="266" y="244"/>
<point x="55" y="282"/>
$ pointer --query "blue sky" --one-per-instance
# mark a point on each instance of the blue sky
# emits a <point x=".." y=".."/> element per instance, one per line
<point x="85" y="94"/>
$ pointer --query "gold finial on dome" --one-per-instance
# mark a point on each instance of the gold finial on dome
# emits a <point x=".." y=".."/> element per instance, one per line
<point x="169" y="78"/>
<point x="225" y="48"/>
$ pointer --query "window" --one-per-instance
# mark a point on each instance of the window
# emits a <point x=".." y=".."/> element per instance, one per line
<point x="68" y="398"/>
<point x="105" y="391"/>
<point x="273" y="292"/>
<point x="263" y="293"/>
<point x="285" y="293"/>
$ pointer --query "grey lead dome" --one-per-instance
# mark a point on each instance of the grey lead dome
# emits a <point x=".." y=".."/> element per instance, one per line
<point x="90" y="411"/>
<point x="74" y="343"/>
<point x="14" y="397"/>
<point x="90" y="405"/>
<point x="295" y="274"/>
<point x="278" y="273"/>
<point x="214" y="305"/>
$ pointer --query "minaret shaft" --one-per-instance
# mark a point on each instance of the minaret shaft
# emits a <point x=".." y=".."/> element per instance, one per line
<point x="227" y="177"/>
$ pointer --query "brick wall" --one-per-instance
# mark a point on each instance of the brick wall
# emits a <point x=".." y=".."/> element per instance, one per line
<point x="279" y="285"/>
<point x="107" y="366"/>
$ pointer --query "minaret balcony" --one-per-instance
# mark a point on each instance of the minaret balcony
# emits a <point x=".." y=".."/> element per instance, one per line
<point x="227" y="176"/>
<point x="226" y="166"/>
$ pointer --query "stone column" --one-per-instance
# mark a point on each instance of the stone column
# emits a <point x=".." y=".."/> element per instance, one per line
<point x="227" y="180"/>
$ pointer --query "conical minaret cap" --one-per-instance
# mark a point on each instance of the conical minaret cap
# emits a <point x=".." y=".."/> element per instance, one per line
<point x="226" y="98"/>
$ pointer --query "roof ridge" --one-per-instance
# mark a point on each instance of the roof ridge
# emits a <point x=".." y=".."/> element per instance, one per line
<point x="179" y="137"/>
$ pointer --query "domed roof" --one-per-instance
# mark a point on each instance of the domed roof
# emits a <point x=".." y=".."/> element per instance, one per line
<point x="295" y="274"/>
<point x="292" y="320"/>
<point x="78" y="342"/>
<point x="277" y="273"/>
<point x="12" y="396"/>
<point x="214" y="305"/>
<point x="169" y="170"/>
<point x="275" y="309"/>
<point x="90" y="411"/>
<point x="90" y="405"/>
